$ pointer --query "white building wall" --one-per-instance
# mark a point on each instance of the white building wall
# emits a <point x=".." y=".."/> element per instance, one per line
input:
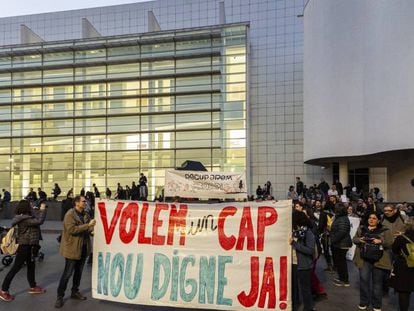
<point x="359" y="72"/>
<point x="276" y="68"/>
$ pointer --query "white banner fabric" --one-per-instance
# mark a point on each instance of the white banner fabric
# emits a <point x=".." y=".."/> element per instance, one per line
<point x="205" y="185"/>
<point x="233" y="256"/>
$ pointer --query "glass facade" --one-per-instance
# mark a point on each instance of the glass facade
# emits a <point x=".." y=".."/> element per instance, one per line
<point x="102" y="111"/>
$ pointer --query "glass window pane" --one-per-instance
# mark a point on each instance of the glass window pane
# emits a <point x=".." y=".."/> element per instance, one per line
<point x="123" y="159"/>
<point x="118" y="106"/>
<point x="57" y="75"/>
<point x="27" y="77"/>
<point x="124" y="52"/>
<point x="123" y="88"/>
<point x="27" y="60"/>
<point x="90" y="90"/>
<point x="25" y="95"/>
<point x="57" y="110"/>
<point x="123" y="124"/>
<point x="27" y="145"/>
<point x="58" y="127"/>
<point x="90" y="55"/>
<point x="89" y="160"/>
<point x="157" y="122"/>
<point x="157" y="67"/>
<point x="90" y="73"/>
<point x="157" y="104"/>
<point x="124" y="142"/>
<point x="27" y="111"/>
<point x="123" y="70"/>
<point x="90" y="143"/>
<point x="85" y="126"/>
<point x="92" y="107"/>
<point x="27" y="128"/>
<point x="58" y="58"/>
<point x="5" y="96"/>
<point x="58" y="92"/>
<point x="58" y="144"/>
<point x="62" y="162"/>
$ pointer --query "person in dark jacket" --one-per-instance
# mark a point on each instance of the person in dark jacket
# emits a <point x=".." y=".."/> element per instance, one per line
<point x="6" y="198"/>
<point x="56" y="191"/>
<point x="42" y="194"/>
<point x="28" y="235"/>
<point x="341" y="242"/>
<point x="134" y="192"/>
<point x="31" y="195"/>
<point x="318" y="291"/>
<point x="402" y="277"/>
<point x="67" y="204"/>
<point x="108" y="193"/>
<point x="303" y="246"/>
<point x="299" y="187"/>
<point x="323" y="230"/>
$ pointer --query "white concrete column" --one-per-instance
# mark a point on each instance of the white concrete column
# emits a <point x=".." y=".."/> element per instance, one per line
<point x="343" y="173"/>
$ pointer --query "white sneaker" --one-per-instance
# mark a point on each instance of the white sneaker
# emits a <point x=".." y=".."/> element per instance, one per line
<point x="375" y="309"/>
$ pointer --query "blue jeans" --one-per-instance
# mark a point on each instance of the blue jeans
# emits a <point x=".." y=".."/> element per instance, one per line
<point x="370" y="285"/>
<point x="74" y="267"/>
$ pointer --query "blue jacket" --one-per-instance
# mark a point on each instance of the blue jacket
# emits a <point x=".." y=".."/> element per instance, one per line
<point x="7" y="196"/>
<point x="305" y="249"/>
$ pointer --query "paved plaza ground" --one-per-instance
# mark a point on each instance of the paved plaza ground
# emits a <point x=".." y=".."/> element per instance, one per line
<point x="49" y="272"/>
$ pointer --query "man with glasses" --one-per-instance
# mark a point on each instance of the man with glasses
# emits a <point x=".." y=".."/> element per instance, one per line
<point x="75" y="247"/>
<point x="394" y="221"/>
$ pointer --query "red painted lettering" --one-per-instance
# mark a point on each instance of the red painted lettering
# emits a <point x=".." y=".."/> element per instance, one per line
<point x="109" y="230"/>
<point x="129" y="213"/>
<point x="268" y="285"/>
<point x="246" y="231"/>
<point x="250" y="299"/>
<point x="156" y="223"/>
<point x="226" y="242"/>
<point x="283" y="283"/>
<point x="262" y="222"/>
<point x="177" y="219"/>
<point x="142" y="239"/>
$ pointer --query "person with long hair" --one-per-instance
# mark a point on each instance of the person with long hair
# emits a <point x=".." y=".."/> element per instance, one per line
<point x="28" y="235"/>
<point x="402" y="276"/>
<point x="372" y="257"/>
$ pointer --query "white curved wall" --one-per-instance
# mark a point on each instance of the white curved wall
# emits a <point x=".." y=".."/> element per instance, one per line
<point x="358" y="77"/>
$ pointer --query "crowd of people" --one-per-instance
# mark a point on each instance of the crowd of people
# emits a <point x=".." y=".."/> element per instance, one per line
<point x="322" y="229"/>
<point x="384" y="253"/>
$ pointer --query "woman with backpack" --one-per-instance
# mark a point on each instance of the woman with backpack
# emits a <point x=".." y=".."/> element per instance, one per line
<point x="402" y="275"/>
<point x="28" y="236"/>
<point x="372" y="257"/>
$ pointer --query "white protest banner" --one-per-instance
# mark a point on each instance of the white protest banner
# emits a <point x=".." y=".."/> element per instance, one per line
<point x="354" y="227"/>
<point x="233" y="256"/>
<point x="205" y="185"/>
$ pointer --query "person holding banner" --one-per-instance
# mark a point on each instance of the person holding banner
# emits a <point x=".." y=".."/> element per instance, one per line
<point x="372" y="258"/>
<point x="75" y="246"/>
<point x="303" y="249"/>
